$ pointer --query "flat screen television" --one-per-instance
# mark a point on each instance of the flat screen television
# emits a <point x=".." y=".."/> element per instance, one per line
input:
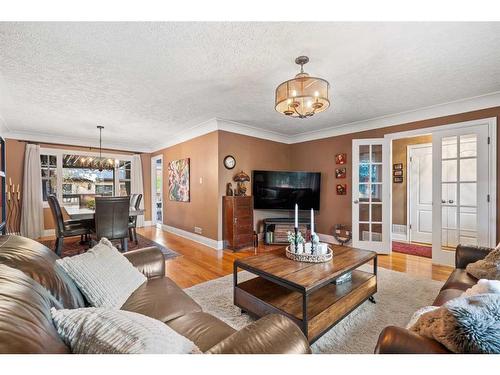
<point x="277" y="190"/>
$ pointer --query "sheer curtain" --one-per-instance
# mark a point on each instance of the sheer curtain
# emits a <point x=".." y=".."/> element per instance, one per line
<point x="136" y="185"/>
<point x="32" y="204"/>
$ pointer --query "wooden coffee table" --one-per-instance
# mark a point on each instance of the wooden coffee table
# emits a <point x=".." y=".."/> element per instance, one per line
<point x="306" y="292"/>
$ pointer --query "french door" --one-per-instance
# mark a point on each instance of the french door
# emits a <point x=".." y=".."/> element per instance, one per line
<point x="460" y="190"/>
<point x="370" y="226"/>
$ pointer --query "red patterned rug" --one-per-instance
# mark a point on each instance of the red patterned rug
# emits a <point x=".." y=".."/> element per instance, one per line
<point x="412" y="249"/>
<point x="72" y="246"/>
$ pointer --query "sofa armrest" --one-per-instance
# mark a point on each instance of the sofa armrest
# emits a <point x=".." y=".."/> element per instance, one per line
<point x="397" y="340"/>
<point x="272" y="334"/>
<point x="466" y="254"/>
<point x="150" y="261"/>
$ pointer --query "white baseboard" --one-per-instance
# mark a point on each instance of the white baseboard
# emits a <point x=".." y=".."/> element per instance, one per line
<point x="214" y="244"/>
<point x="399" y="237"/>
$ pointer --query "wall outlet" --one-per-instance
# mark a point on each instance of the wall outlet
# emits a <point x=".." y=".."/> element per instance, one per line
<point x="198" y="230"/>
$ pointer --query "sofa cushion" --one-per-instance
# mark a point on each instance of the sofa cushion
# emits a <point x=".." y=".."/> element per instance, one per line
<point x="160" y="299"/>
<point x="25" y="322"/>
<point x="447" y="295"/>
<point x="203" y="329"/>
<point x="104" y="276"/>
<point x="106" y="331"/>
<point x="459" y="279"/>
<point x="39" y="263"/>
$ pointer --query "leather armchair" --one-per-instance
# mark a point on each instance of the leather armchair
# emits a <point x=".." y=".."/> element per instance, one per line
<point x="149" y="260"/>
<point x="397" y="340"/>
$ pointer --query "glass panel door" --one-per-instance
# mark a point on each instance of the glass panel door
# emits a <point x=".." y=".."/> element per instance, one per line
<point x="368" y="225"/>
<point x="462" y="162"/>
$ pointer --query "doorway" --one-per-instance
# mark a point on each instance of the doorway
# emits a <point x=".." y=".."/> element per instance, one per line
<point x="451" y="188"/>
<point x="157" y="190"/>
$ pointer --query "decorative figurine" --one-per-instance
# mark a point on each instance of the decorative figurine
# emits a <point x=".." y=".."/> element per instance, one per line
<point x="240" y="179"/>
<point x="229" y="189"/>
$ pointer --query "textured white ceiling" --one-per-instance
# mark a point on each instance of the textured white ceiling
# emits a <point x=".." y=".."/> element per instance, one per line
<point x="147" y="82"/>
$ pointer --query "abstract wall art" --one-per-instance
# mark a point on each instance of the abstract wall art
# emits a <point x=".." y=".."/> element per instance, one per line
<point x="178" y="180"/>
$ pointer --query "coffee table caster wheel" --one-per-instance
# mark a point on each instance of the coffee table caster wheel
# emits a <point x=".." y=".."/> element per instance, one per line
<point x="372" y="299"/>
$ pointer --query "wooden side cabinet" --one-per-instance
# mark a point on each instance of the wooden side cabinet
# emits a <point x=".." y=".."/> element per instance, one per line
<point x="238" y="222"/>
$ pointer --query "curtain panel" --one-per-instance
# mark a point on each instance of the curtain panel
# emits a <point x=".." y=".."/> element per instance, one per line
<point x="32" y="204"/>
<point x="136" y="185"/>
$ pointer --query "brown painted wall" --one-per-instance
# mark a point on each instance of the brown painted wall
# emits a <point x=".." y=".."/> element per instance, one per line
<point x="399" y="196"/>
<point x="15" y="165"/>
<point x="251" y="154"/>
<point x="202" y="210"/>
<point x="319" y="156"/>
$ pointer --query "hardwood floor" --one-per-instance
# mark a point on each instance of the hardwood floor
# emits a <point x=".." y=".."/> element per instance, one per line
<point x="200" y="263"/>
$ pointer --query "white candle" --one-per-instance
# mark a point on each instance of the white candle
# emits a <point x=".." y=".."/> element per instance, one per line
<point x="296" y="215"/>
<point x="312" y="221"/>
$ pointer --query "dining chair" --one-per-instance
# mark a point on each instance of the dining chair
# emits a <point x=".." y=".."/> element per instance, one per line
<point x="66" y="228"/>
<point x="112" y="218"/>
<point x="135" y="202"/>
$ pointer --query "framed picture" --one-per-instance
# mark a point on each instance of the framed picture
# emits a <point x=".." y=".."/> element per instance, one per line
<point x="340" y="173"/>
<point x="341" y="189"/>
<point x="178" y="180"/>
<point x="397" y="180"/>
<point x="397" y="173"/>
<point x="340" y="158"/>
<point x="397" y="166"/>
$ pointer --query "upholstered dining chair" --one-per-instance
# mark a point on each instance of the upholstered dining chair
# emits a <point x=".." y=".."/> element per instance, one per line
<point x="68" y="228"/>
<point x="135" y="202"/>
<point x="112" y="218"/>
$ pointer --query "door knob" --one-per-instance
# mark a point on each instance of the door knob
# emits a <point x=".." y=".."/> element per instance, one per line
<point x="450" y="201"/>
<point x="443" y="201"/>
<point x="355" y="201"/>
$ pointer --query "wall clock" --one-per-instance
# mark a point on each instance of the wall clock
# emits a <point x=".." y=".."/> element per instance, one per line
<point x="229" y="162"/>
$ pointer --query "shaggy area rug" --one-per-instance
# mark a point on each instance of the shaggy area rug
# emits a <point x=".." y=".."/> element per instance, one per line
<point x="72" y="246"/>
<point x="399" y="296"/>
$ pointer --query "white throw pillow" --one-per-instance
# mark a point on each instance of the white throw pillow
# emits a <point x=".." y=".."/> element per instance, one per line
<point x="104" y="276"/>
<point x="104" y="331"/>
<point x="483" y="286"/>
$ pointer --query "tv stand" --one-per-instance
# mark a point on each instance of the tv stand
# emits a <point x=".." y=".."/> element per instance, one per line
<point x="278" y="229"/>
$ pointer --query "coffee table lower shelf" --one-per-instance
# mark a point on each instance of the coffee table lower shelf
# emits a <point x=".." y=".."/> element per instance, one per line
<point x="324" y="307"/>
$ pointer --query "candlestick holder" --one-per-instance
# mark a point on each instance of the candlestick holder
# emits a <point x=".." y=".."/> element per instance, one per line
<point x="296" y="231"/>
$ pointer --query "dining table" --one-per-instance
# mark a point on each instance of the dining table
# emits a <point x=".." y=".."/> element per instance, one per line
<point x="82" y="213"/>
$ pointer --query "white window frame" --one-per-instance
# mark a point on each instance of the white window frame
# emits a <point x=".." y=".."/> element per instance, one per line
<point x="59" y="165"/>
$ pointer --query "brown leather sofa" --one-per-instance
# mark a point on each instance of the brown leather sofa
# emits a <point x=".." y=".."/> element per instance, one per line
<point x="397" y="340"/>
<point x="31" y="283"/>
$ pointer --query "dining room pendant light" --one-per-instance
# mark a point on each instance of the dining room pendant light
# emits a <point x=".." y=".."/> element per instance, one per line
<point x="302" y="96"/>
<point x="100" y="147"/>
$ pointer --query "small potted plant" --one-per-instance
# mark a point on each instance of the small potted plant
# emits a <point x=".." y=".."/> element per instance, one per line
<point x="300" y="242"/>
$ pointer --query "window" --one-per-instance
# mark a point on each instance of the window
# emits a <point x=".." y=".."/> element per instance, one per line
<point x="49" y="175"/>
<point x="124" y="176"/>
<point x="80" y="178"/>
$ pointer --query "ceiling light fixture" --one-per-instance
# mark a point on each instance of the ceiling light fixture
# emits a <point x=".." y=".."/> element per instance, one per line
<point x="302" y="96"/>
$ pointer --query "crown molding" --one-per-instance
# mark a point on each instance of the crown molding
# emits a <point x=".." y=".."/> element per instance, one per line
<point x="196" y="131"/>
<point x="445" y="109"/>
<point x="73" y="141"/>
<point x="244" y="129"/>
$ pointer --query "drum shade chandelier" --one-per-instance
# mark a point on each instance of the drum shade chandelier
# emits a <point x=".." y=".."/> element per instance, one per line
<point x="302" y="96"/>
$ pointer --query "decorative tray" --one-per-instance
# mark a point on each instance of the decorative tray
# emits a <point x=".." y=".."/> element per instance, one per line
<point x="309" y="258"/>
